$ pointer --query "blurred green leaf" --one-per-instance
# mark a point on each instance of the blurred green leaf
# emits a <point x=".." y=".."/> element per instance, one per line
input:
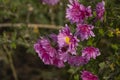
<point x="76" y="77"/>
<point x="13" y="45"/>
<point x="102" y="65"/>
<point x="114" y="46"/>
<point x="101" y="32"/>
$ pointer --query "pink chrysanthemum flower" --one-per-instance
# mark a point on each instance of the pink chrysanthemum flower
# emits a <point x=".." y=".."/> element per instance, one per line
<point x="57" y="62"/>
<point x="47" y="53"/>
<point x="44" y="50"/>
<point x="50" y="2"/>
<point x="84" y="31"/>
<point x="64" y="56"/>
<point x="66" y="39"/>
<point x="77" y="60"/>
<point x="90" y="52"/>
<point x="100" y="10"/>
<point x="77" y="12"/>
<point x="86" y="75"/>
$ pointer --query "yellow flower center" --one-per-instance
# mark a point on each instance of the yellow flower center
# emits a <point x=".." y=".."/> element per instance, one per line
<point x="67" y="40"/>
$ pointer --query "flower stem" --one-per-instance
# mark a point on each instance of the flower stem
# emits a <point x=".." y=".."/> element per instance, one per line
<point x="11" y="62"/>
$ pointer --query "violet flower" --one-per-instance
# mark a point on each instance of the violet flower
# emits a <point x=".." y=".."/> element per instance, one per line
<point x="44" y="50"/>
<point x="77" y="12"/>
<point x="64" y="56"/>
<point x="66" y="39"/>
<point x="57" y="62"/>
<point x="47" y="53"/>
<point x="90" y="52"/>
<point x="100" y="10"/>
<point x="77" y="60"/>
<point x="84" y="31"/>
<point x="86" y="75"/>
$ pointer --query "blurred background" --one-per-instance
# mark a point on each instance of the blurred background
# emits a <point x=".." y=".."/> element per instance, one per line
<point x="22" y="22"/>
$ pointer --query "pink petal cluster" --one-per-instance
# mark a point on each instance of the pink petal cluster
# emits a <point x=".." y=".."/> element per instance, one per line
<point x="50" y="2"/>
<point x="77" y="60"/>
<point x="63" y="51"/>
<point x="77" y="12"/>
<point x="61" y="48"/>
<point x="86" y="75"/>
<point x="47" y="53"/>
<point x="84" y="31"/>
<point x="90" y="52"/>
<point x="56" y="56"/>
<point x="66" y="39"/>
<point x="100" y="10"/>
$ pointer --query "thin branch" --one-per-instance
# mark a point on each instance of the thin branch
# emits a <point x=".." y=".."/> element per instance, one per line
<point x="11" y="62"/>
<point x="30" y="25"/>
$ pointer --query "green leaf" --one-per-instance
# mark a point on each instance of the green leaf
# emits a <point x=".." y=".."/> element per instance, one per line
<point x="110" y="34"/>
<point x="76" y="77"/>
<point x="102" y="65"/>
<point x="101" y="32"/>
<point x="13" y="45"/>
<point x="71" y="70"/>
<point x="115" y="46"/>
